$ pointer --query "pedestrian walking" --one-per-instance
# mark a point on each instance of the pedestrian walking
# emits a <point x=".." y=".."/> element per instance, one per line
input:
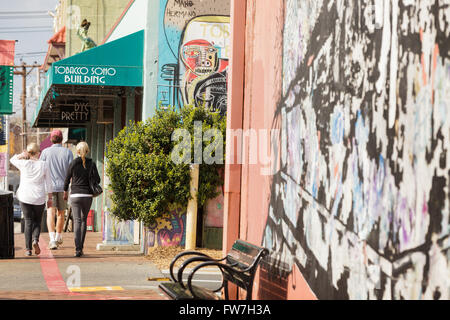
<point x="81" y="170"/>
<point x="58" y="159"/>
<point x="35" y="183"/>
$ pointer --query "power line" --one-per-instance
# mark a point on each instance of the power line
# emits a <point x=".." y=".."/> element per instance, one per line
<point x="35" y="52"/>
<point x="27" y="17"/>
<point x="31" y="54"/>
<point x="26" y="31"/>
<point x="22" y="12"/>
<point x="35" y="27"/>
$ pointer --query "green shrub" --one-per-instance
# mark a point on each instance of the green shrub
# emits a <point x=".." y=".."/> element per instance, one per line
<point x="143" y="178"/>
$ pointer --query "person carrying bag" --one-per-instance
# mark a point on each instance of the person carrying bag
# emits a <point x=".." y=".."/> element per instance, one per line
<point x="84" y="180"/>
<point x="94" y="183"/>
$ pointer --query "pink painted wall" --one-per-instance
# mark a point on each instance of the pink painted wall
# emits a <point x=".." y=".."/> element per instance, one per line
<point x="251" y="107"/>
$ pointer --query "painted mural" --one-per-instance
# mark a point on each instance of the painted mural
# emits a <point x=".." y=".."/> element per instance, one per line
<point x="168" y="230"/>
<point x="360" y="202"/>
<point x="115" y="231"/>
<point x="194" y="45"/>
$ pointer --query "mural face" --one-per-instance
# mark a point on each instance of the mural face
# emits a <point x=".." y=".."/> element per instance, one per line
<point x="194" y="48"/>
<point x="199" y="57"/>
<point x="361" y="202"/>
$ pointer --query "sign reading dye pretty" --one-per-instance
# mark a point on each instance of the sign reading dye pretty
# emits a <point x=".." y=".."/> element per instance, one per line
<point x="76" y="115"/>
<point x="79" y="113"/>
<point x="84" y="75"/>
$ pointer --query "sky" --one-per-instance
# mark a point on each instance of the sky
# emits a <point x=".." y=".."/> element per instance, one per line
<point x="27" y="22"/>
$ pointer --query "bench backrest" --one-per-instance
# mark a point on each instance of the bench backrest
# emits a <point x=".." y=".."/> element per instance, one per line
<point x="245" y="257"/>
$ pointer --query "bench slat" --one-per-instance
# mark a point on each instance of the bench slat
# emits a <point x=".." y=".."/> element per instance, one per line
<point x="244" y="254"/>
<point x="176" y="292"/>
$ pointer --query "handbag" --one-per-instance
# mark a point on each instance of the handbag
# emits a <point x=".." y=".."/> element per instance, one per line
<point x="95" y="187"/>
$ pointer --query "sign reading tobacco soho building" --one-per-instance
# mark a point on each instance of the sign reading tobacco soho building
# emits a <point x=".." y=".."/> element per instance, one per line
<point x="88" y="75"/>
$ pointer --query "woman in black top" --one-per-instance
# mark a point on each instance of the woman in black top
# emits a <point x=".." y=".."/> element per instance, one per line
<point x="80" y="193"/>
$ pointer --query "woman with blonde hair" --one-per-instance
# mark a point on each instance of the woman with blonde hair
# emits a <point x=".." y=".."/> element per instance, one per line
<point x="80" y="171"/>
<point x="35" y="183"/>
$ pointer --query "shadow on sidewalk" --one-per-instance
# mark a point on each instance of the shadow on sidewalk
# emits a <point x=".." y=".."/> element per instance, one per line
<point x="67" y="249"/>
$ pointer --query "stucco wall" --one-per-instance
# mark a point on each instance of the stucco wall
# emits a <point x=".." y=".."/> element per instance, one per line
<point x="101" y="14"/>
<point x="359" y="204"/>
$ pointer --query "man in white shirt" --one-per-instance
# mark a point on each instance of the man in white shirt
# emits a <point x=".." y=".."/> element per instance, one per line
<point x="58" y="159"/>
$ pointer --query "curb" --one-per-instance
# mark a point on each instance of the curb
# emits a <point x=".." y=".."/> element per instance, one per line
<point x="135" y="248"/>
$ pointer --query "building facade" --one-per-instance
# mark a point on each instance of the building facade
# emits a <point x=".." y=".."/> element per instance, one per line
<point x="102" y="99"/>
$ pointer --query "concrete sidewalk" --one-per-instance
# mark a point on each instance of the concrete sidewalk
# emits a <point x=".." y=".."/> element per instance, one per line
<point x="57" y="274"/>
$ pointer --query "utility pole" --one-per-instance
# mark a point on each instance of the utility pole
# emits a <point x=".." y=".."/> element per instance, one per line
<point x="6" y="180"/>
<point x="24" y="75"/>
<point x="191" y="214"/>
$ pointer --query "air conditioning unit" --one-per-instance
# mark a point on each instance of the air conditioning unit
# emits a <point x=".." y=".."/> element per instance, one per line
<point x="105" y="114"/>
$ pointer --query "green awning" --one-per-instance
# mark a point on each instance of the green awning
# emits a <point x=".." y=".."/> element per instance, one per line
<point x="117" y="63"/>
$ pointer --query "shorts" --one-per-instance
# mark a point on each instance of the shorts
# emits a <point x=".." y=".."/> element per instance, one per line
<point x="58" y="201"/>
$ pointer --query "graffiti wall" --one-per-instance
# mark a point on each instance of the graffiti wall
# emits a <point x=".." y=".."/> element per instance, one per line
<point x="168" y="230"/>
<point x="115" y="231"/>
<point x="360" y="203"/>
<point x="194" y="44"/>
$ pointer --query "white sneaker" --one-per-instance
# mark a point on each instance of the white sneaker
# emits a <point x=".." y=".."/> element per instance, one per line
<point x="53" y="245"/>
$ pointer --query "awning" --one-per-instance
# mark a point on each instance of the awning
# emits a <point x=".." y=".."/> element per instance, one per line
<point x="74" y="84"/>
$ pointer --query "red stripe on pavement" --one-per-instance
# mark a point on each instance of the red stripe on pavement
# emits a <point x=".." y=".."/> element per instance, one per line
<point x="54" y="280"/>
<point x="50" y="270"/>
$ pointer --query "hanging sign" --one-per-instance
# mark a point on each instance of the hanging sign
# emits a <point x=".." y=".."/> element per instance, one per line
<point x="7" y="48"/>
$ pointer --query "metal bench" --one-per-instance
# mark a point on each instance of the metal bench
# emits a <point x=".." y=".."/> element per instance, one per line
<point x="238" y="267"/>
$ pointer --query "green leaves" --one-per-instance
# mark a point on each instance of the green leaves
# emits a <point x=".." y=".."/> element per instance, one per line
<point x="144" y="179"/>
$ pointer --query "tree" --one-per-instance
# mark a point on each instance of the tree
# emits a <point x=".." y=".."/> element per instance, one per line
<point x="143" y="177"/>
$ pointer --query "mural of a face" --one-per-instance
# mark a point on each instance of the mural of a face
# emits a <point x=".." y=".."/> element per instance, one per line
<point x="194" y="45"/>
<point x="204" y="83"/>
<point x="199" y="57"/>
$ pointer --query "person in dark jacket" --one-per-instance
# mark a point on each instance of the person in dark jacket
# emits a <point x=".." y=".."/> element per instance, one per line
<point x="80" y="192"/>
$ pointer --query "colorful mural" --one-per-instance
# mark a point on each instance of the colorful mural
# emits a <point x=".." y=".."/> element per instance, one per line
<point x="194" y="45"/>
<point x="115" y="231"/>
<point x="118" y="231"/>
<point x="168" y="230"/>
<point x="360" y="203"/>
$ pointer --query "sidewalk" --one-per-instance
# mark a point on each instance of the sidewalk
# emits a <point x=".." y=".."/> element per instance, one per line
<point x="57" y="274"/>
